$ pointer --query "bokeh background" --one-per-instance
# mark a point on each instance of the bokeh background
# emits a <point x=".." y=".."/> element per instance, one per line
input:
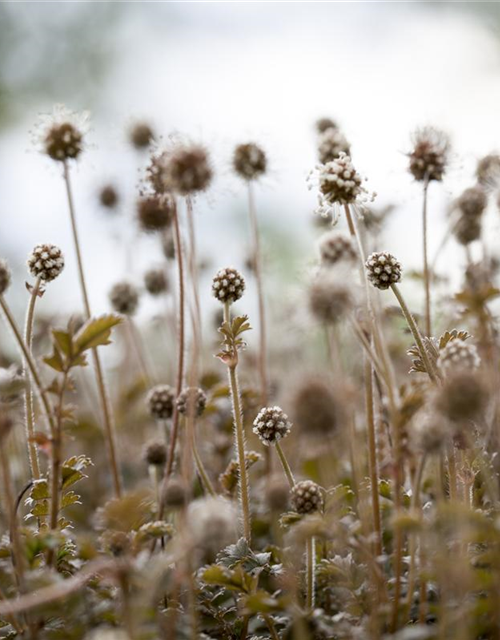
<point x="224" y="73"/>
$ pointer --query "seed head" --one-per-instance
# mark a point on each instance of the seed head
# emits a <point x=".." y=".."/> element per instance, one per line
<point x="175" y="494"/>
<point x="108" y="196"/>
<point x="431" y="433"/>
<point x="155" y="212"/>
<point x="228" y="285"/>
<point x="316" y="409"/>
<point x="462" y="397"/>
<point x="249" y="161"/>
<point x="155" y="453"/>
<point x="271" y="424"/>
<point x="187" y="170"/>
<point x="488" y="170"/>
<point x="124" y="298"/>
<point x="458" y="355"/>
<point x="325" y="123"/>
<point x="472" y="202"/>
<point x="5" y="276"/>
<point x="336" y="247"/>
<point x="306" y="497"/>
<point x="46" y="261"/>
<point x="156" y="281"/>
<point x="141" y="135"/>
<point x="429" y="156"/>
<point x="331" y="143"/>
<point x="160" y="401"/>
<point x="60" y="134"/>
<point x="212" y="524"/>
<point x="467" y="229"/>
<point x="192" y="397"/>
<point x="339" y="182"/>
<point x="329" y="300"/>
<point x="383" y="270"/>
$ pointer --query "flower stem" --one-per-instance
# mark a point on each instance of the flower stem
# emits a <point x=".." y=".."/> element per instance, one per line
<point x="310" y="572"/>
<point x="101" y="385"/>
<point x="56" y="451"/>
<point x="284" y="462"/>
<point x="372" y="456"/>
<point x="28" y="394"/>
<point x="427" y="284"/>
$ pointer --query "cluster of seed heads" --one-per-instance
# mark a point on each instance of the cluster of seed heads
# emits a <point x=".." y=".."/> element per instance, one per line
<point x="5" y="276"/>
<point x="331" y="143"/>
<point x="335" y="247"/>
<point x="271" y="424"/>
<point x="156" y="281"/>
<point x="249" y="161"/>
<point x="160" y="402"/>
<point x="124" y="298"/>
<point x="228" y="285"/>
<point x="46" y="261"/>
<point x="329" y="300"/>
<point x="429" y="156"/>
<point x="306" y="497"/>
<point x="458" y="355"/>
<point x="192" y="399"/>
<point x="383" y="270"/>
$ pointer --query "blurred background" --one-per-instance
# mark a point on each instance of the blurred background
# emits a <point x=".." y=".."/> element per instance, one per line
<point x="225" y="73"/>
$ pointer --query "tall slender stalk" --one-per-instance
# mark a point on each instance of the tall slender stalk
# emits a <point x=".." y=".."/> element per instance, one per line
<point x="257" y="263"/>
<point x="28" y="393"/>
<point x="284" y="463"/>
<point x="239" y="435"/>
<point x="427" y="284"/>
<point x="310" y="572"/>
<point x="101" y="385"/>
<point x="372" y="457"/>
<point x="193" y="268"/>
<point x="56" y="460"/>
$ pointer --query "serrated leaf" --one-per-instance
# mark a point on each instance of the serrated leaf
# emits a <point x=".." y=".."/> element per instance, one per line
<point x="69" y="498"/>
<point x="40" y="509"/>
<point x="39" y="490"/>
<point x="55" y="361"/>
<point x="63" y="341"/>
<point x="95" y="332"/>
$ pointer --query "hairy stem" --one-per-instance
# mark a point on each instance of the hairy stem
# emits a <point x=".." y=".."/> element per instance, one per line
<point x="372" y="457"/>
<point x="193" y="268"/>
<point x="427" y="284"/>
<point x="310" y="572"/>
<point x="56" y="459"/>
<point x="101" y="385"/>
<point x="413" y="538"/>
<point x="284" y="462"/>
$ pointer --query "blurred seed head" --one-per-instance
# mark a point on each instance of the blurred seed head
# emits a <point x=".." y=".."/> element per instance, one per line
<point x="155" y="212"/>
<point x="458" y="355"/>
<point x="317" y="411"/>
<point x="124" y="298"/>
<point x="488" y="170"/>
<point x="271" y="424"/>
<point x="472" y="202"/>
<point x="46" y="261"/>
<point x="429" y="158"/>
<point x="156" y="281"/>
<point x="228" y="285"/>
<point x="467" y="229"/>
<point x="383" y="270"/>
<point x="155" y="453"/>
<point x="160" y="401"/>
<point x="212" y="523"/>
<point x="335" y="247"/>
<point x="5" y="276"/>
<point x="462" y="397"/>
<point x="277" y="494"/>
<point x="174" y="493"/>
<point x="306" y="497"/>
<point x="431" y="433"/>
<point x="141" y="135"/>
<point x="249" y="161"/>
<point x="192" y="398"/>
<point x="331" y="143"/>
<point x="187" y="170"/>
<point x="322" y="124"/>
<point x="108" y="196"/>
<point x="330" y="301"/>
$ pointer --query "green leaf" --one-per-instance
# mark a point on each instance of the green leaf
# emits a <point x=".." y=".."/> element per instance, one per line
<point x="70" y="498"/>
<point x="55" y="361"/>
<point x="95" y="332"/>
<point x="39" y="490"/>
<point x="62" y="340"/>
<point x="40" y="509"/>
<point x="72" y="470"/>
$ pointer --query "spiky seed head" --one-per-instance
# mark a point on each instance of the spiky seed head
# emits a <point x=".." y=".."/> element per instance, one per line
<point x="228" y="285"/>
<point x="339" y="182"/>
<point x="174" y="494"/>
<point x="462" y="397"/>
<point x="271" y="424"/>
<point x="108" y="196"/>
<point x="187" y="170"/>
<point x="335" y="247"/>
<point x="5" y="276"/>
<point x="458" y="355"/>
<point x="329" y="300"/>
<point x="383" y="269"/>
<point x="249" y="161"/>
<point x="155" y="212"/>
<point x="155" y="453"/>
<point x="277" y="494"/>
<point x="306" y="497"/>
<point x="160" y="401"/>
<point x="192" y="397"/>
<point x="141" y="135"/>
<point x="316" y="409"/>
<point x="429" y="157"/>
<point x="124" y="298"/>
<point x="156" y="281"/>
<point x="331" y="143"/>
<point x="467" y="229"/>
<point x="472" y="202"/>
<point x="322" y="124"/>
<point x="63" y="142"/>
<point x="46" y="261"/>
<point x="488" y="170"/>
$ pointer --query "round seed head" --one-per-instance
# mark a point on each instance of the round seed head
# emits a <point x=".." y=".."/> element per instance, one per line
<point x="155" y="453"/>
<point x="488" y="170"/>
<point x="331" y="143"/>
<point x="160" y="401"/>
<point x="212" y="524"/>
<point x="192" y="397"/>
<point x="5" y="276"/>
<point x="46" y="261"/>
<point x="316" y="409"/>
<point x="429" y="156"/>
<point x="271" y="424"/>
<point x="383" y="270"/>
<point x="306" y="497"/>
<point x="175" y="494"/>
<point x="124" y="298"/>
<point x="155" y="212"/>
<point x="432" y="433"/>
<point x="187" y="170"/>
<point x="472" y="202"/>
<point x="156" y="281"/>
<point x="108" y="196"/>
<point x="63" y="142"/>
<point x="458" y="355"/>
<point x="329" y="300"/>
<point x="141" y="135"/>
<point x="228" y="285"/>
<point x="249" y="161"/>
<point x="462" y="397"/>
<point x="467" y="229"/>
<point x="325" y="123"/>
<point x="339" y="182"/>
<point x="335" y="247"/>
